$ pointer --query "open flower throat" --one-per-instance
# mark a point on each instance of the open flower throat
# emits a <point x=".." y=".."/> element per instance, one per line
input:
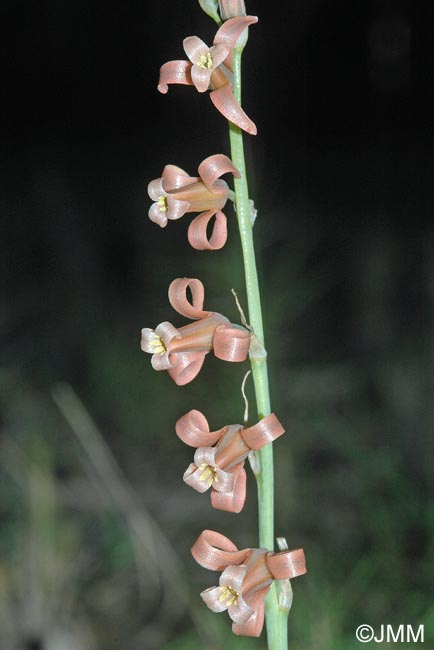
<point x="181" y="351"/>
<point x="205" y="61"/>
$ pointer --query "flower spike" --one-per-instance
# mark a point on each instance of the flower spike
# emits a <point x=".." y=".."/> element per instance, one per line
<point x="210" y="68"/>
<point x="181" y="351"/>
<point x="176" y="193"/>
<point x="246" y="578"/>
<point x="220" y="455"/>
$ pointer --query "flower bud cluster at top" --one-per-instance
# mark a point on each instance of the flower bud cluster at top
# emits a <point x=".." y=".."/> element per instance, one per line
<point x="218" y="463"/>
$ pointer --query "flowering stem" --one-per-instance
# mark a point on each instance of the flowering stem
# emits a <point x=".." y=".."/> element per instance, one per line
<point x="276" y="618"/>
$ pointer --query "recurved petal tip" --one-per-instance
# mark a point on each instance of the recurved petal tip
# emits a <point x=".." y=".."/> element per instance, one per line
<point x="215" y="551"/>
<point x="225" y="102"/>
<point x="231" y="343"/>
<point x="173" y="177"/>
<point x="211" y="168"/>
<point x="174" y="72"/>
<point x="265" y="431"/>
<point x="193" y="429"/>
<point x="287" y="564"/>
<point x="231" y="30"/>
<point x="179" y="301"/>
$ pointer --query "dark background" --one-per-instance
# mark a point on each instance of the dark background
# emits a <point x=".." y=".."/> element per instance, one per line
<point x="97" y="524"/>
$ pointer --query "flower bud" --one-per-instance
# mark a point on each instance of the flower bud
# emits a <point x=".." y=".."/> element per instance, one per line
<point x="210" y="7"/>
<point x="231" y="8"/>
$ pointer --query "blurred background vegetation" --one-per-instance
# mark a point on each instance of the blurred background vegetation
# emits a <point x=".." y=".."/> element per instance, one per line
<point x="95" y="522"/>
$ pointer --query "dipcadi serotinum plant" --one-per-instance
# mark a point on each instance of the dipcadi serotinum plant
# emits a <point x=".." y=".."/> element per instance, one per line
<point x="255" y="582"/>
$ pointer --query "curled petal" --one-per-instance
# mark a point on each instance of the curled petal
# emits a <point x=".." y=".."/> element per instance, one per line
<point x="214" y="551"/>
<point x="215" y="166"/>
<point x="231" y="343"/>
<point x="179" y="301"/>
<point x="197" y="231"/>
<point x="174" y="72"/>
<point x="287" y="564"/>
<point x="234" y="500"/>
<point x="174" y="177"/>
<point x="166" y="331"/>
<point x="225" y="102"/>
<point x="253" y="626"/>
<point x="231" y="30"/>
<point x="193" y="429"/>
<point x="265" y="431"/>
<point x="186" y="366"/>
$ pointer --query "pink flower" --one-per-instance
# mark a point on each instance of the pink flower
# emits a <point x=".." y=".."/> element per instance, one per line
<point x="246" y="578"/>
<point x="176" y="193"/>
<point x="210" y="68"/>
<point x="220" y="455"/>
<point x="181" y="351"/>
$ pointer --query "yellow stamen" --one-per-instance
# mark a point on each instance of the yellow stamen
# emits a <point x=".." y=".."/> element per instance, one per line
<point x="205" y="61"/>
<point x="209" y="474"/>
<point x="158" y="345"/>
<point x="229" y="595"/>
<point x="162" y="203"/>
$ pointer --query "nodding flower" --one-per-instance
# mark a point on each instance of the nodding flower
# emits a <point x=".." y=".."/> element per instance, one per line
<point x="220" y="455"/>
<point x="181" y="351"/>
<point x="246" y="578"/>
<point x="176" y="193"/>
<point x="210" y="68"/>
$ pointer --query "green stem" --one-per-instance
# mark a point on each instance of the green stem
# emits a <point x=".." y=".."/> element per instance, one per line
<point x="276" y="618"/>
